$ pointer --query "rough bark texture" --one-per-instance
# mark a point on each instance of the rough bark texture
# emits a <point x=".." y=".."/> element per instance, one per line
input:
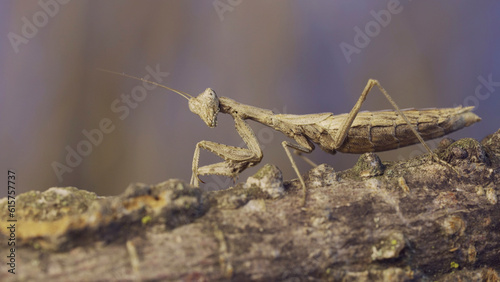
<point x="413" y="220"/>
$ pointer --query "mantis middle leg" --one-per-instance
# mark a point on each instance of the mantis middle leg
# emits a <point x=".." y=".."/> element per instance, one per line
<point x="305" y="146"/>
<point x="300" y="148"/>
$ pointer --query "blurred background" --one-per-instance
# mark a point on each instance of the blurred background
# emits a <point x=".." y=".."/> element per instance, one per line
<point x="294" y="57"/>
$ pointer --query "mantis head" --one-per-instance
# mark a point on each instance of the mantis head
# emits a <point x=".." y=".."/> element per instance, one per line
<point x="206" y="105"/>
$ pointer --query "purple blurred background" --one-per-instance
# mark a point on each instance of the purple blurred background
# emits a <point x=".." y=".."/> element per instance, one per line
<point x="281" y="55"/>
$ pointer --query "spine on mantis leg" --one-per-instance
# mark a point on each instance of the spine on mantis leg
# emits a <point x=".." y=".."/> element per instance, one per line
<point x="386" y="130"/>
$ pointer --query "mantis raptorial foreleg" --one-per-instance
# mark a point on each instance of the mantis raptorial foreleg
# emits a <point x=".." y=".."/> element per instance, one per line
<point x="233" y="156"/>
<point x="236" y="159"/>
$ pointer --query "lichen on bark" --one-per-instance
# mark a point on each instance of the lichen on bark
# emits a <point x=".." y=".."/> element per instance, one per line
<point x="379" y="221"/>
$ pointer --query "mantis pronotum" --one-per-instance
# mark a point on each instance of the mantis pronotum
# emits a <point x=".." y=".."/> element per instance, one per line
<point x="354" y="132"/>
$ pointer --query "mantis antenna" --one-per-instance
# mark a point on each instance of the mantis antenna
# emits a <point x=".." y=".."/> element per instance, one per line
<point x="183" y="94"/>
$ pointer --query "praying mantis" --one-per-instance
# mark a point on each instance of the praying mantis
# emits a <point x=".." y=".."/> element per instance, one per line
<point x="356" y="132"/>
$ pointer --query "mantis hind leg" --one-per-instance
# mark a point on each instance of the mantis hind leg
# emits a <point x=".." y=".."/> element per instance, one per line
<point x="342" y="133"/>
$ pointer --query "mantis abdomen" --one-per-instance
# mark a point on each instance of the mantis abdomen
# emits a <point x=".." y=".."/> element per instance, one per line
<point x="386" y="130"/>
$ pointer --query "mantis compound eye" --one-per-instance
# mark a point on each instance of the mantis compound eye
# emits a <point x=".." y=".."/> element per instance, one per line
<point x="206" y="105"/>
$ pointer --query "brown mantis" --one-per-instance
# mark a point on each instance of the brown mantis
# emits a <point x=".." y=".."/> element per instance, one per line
<point x="355" y="132"/>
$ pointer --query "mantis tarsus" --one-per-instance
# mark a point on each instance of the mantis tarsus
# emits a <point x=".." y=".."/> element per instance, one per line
<point x="355" y="132"/>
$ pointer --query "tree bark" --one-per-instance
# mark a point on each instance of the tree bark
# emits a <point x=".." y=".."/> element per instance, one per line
<point x="379" y="221"/>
